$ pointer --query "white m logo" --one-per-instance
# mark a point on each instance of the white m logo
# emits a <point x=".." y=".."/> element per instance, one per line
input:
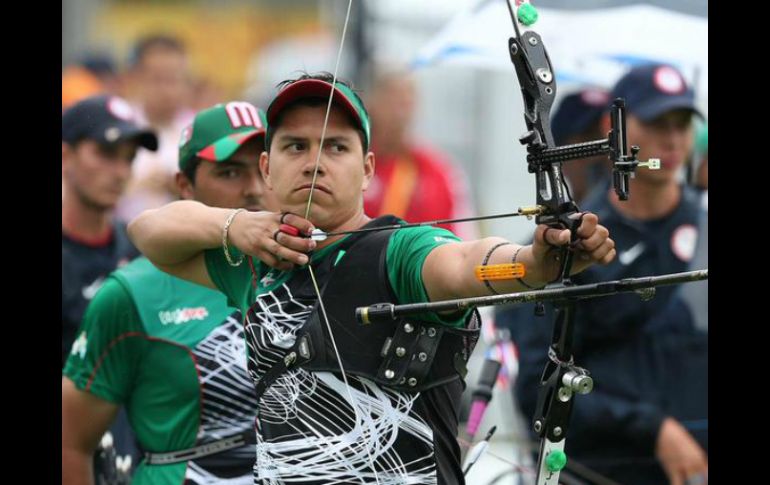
<point x="242" y="113"/>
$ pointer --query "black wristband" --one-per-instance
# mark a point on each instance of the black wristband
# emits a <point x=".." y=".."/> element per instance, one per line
<point x="521" y="280"/>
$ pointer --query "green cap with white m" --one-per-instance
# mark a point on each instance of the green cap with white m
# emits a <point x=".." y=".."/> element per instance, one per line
<point x="218" y="132"/>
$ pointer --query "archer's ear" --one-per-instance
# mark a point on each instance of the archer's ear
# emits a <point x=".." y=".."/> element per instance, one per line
<point x="264" y="168"/>
<point x="368" y="170"/>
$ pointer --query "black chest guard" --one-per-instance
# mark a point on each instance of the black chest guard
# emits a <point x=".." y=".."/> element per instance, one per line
<point x="405" y="354"/>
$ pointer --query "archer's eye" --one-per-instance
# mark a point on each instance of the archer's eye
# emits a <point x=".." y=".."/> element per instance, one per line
<point x="336" y="147"/>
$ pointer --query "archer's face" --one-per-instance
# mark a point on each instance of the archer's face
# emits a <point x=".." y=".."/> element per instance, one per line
<point x="344" y="170"/>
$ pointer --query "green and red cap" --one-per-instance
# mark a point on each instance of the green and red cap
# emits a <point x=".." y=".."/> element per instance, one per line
<point x="344" y="97"/>
<point x="218" y="132"/>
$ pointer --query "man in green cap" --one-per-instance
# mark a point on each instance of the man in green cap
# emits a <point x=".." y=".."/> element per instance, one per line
<point x="340" y="401"/>
<point x="172" y="351"/>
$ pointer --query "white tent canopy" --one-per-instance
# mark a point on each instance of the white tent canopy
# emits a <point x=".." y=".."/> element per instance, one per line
<point x="591" y="47"/>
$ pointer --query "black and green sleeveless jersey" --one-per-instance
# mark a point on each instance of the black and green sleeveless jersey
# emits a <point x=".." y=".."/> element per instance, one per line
<point x="173" y="353"/>
<point x="315" y="428"/>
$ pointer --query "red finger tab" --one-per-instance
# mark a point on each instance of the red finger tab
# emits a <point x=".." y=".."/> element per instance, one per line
<point x="290" y="230"/>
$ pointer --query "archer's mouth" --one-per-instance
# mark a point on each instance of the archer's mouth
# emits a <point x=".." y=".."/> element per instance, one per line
<point x="317" y="187"/>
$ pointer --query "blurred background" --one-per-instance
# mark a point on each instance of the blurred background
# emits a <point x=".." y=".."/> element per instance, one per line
<point x="465" y="101"/>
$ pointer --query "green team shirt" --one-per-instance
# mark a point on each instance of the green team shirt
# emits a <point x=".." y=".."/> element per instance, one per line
<point x="173" y="353"/>
<point x="308" y="432"/>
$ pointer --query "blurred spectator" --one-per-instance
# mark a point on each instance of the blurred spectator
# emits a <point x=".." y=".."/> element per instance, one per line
<point x="99" y="141"/>
<point x="159" y="82"/>
<point x="206" y="93"/>
<point x="78" y="83"/>
<point x="412" y="181"/>
<point x="577" y="120"/>
<point x="103" y="67"/>
<point x="93" y="74"/>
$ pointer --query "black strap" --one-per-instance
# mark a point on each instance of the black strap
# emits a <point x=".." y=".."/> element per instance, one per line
<point x="301" y="349"/>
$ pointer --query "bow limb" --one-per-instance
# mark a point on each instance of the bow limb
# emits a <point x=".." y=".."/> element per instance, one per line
<point x="538" y="87"/>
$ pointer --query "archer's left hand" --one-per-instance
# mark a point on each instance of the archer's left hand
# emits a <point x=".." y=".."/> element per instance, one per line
<point x="592" y="246"/>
